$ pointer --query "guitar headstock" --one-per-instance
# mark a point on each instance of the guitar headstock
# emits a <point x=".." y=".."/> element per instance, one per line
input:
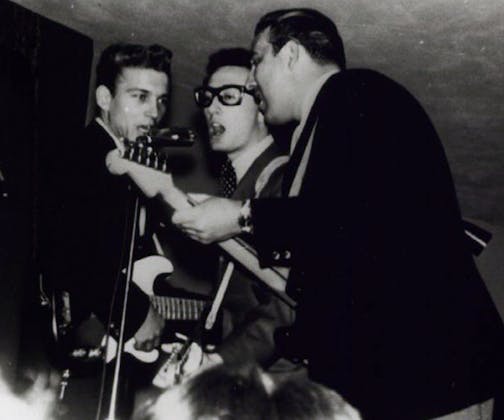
<point x="170" y="137"/>
<point x="151" y="150"/>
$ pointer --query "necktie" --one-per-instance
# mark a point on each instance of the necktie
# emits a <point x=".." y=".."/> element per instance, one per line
<point x="227" y="179"/>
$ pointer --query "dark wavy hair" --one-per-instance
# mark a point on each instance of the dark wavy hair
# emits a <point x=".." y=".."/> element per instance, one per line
<point x="313" y="30"/>
<point x="239" y="57"/>
<point x="118" y="56"/>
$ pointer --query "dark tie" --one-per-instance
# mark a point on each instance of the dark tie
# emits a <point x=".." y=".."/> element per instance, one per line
<point x="227" y="179"/>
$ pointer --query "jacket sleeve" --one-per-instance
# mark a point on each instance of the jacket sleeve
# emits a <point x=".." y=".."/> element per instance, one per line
<point x="253" y="338"/>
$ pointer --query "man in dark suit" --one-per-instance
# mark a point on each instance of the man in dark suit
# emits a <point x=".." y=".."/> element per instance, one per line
<point x="92" y="218"/>
<point x="392" y="312"/>
<point x="253" y="168"/>
<point x="237" y="128"/>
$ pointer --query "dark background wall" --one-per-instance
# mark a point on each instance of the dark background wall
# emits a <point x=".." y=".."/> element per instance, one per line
<point x="16" y="201"/>
<point x="44" y="80"/>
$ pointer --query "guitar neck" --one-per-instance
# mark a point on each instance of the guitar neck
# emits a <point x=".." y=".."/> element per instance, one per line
<point x="149" y="172"/>
<point x="178" y="309"/>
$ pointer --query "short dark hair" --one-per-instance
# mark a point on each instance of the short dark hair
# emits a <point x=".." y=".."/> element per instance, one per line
<point x="239" y="57"/>
<point x="222" y="392"/>
<point x="229" y="392"/>
<point x="313" y="30"/>
<point x="299" y="398"/>
<point x="118" y="56"/>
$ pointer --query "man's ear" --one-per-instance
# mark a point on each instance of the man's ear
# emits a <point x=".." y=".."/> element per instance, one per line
<point x="290" y="53"/>
<point x="103" y="97"/>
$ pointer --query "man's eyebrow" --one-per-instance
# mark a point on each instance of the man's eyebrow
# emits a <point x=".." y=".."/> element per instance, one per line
<point x="134" y="89"/>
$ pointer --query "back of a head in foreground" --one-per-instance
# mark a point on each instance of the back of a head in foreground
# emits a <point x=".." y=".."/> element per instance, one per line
<point x="218" y="393"/>
<point x="247" y="393"/>
<point x="302" y="399"/>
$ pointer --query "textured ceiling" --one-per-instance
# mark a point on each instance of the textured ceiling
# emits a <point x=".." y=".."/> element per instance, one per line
<point x="449" y="53"/>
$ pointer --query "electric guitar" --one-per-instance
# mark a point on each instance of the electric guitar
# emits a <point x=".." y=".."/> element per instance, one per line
<point x="171" y="308"/>
<point x="148" y="169"/>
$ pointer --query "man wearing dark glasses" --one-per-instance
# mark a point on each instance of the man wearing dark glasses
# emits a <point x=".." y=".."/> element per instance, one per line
<point x="236" y="127"/>
<point x="253" y="167"/>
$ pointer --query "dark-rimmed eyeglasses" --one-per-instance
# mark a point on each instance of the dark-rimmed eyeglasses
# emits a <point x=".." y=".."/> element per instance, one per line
<point x="230" y="95"/>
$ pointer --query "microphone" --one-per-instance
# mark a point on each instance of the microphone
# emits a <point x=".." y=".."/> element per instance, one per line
<point x="168" y="137"/>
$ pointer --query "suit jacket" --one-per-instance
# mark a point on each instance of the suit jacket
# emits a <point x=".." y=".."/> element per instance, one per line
<point x="89" y="229"/>
<point x="392" y="311"/>
<point x="255" y="311"/>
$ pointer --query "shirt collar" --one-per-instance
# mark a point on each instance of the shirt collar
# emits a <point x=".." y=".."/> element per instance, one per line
<point x="119" y="144"/>
<point x="307" y="104"/>
<point x="243" y="161"/>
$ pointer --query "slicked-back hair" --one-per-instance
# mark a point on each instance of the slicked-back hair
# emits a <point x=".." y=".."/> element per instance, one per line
<point x="313" y="30"/>
<point x="116" y="57"/>
<point x="239" y="57"/>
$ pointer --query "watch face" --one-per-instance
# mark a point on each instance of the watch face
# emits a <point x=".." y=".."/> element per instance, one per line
<point x="245" y="219"/>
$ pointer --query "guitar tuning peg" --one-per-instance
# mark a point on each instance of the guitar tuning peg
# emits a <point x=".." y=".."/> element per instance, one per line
<point x="131" y="153"/>
<point x="148" y="155"/>
<point x="140" y="157"/>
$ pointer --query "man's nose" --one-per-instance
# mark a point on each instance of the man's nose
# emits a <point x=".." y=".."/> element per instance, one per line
<point x="214" y="106"/>
<point x="251" y="83"/>
<point x="153" y="109"/>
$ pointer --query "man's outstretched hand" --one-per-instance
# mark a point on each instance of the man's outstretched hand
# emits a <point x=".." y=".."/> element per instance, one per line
<point x="213" y="220"/>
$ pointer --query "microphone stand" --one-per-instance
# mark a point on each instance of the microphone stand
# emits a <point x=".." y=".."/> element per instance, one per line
<point x="166" y="137"/>
<point x="120" y="341"/>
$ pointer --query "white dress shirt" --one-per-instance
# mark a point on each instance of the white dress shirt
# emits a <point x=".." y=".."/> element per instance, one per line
<point x="307" y="104"/>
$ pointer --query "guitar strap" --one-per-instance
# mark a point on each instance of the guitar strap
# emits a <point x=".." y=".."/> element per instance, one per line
<point x="219" y="296"/>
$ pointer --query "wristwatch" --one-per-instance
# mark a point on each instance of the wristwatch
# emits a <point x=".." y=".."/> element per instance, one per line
<point x="245" y="218"/>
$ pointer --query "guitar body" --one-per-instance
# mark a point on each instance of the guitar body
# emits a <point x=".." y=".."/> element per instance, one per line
<point x="81" y="342"/>
<point x="80" y="346"/>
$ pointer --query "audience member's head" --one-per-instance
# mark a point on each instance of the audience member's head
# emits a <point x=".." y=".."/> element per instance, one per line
<point x="37" y="403"/>
<point x="236" y="393"/>
<point x="219" y="393"/>
<point x="301" y="399"/>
